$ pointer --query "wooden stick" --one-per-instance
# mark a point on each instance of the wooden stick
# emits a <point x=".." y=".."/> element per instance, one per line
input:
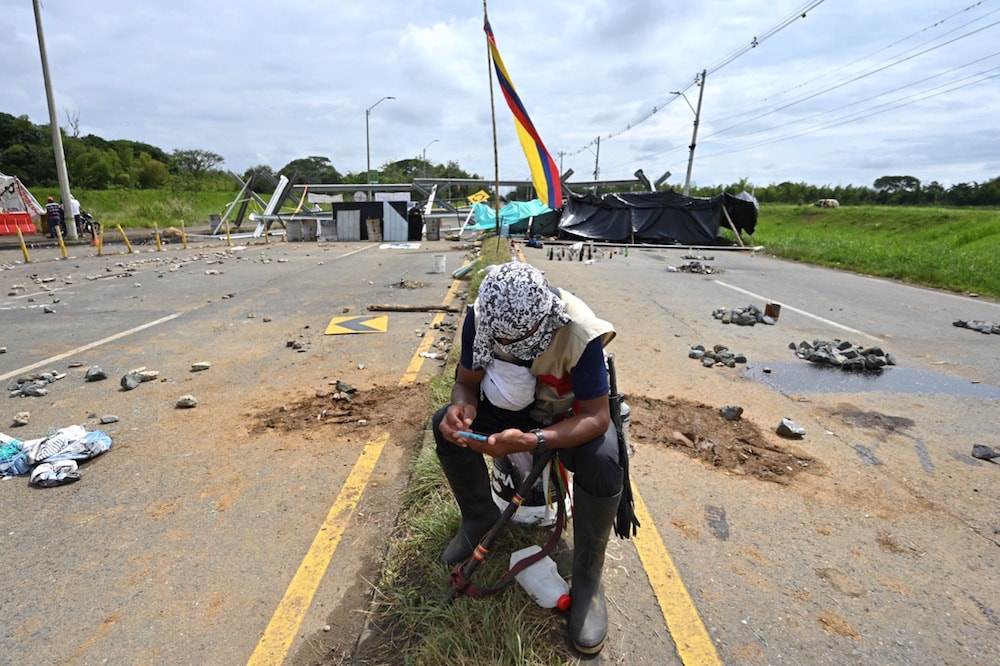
<point x="396" y="307"/>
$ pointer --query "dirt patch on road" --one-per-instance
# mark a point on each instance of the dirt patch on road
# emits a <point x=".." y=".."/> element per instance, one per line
<point x="401" y="410"/>
<point x="700" y="431"/>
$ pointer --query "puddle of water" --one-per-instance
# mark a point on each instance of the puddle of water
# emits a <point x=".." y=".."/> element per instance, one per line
<point x="802" y="377"/>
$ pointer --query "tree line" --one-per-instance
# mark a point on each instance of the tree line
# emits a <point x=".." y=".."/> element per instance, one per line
<point x="97" y="163"/>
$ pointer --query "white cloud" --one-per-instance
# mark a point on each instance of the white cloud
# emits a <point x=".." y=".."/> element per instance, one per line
<point x="268" y="83"/>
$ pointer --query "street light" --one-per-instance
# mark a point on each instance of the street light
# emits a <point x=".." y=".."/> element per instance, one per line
<point x="425" y="155"/>
<point x="694" y="135"/>
<point x="368" y="143"/>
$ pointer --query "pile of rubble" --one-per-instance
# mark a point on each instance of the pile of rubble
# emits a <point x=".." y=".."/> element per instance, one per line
<point x="746" y="316"/>
<point x="842" y="354"/>
<point x="695" y="267"/>
<point x="978" y="325"/>
<point x="717" y="355"/>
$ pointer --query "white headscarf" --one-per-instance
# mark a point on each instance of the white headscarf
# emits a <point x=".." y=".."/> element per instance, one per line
<point x="514" y="301"/>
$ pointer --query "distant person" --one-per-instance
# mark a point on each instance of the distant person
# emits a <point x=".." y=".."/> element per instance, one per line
<point x="74" y="207"/>
<point x="53" y="216"/>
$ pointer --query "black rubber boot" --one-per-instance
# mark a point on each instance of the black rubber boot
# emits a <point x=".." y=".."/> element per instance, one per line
<point x="593" y="518"/>
<point x="469" y="480"/>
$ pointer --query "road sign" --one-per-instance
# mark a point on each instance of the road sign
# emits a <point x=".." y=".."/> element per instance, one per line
<point x="358" y="324"/>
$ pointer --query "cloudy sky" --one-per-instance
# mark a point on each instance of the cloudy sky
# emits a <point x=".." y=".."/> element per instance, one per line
<point x="852" y="90"/>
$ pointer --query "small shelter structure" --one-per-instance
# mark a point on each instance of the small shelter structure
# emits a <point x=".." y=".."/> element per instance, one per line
<point x="657" y="217"/>
<point x="17" y="207"/>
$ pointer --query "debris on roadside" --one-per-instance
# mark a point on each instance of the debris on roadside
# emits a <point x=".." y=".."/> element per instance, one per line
<point x="186" y="402"/>
<point x="200" y="366"/>
<point x="731" y="412"/>
<point x="790" y="429"/>
<point x="51" y="460"/>
<point x="978" y="325"/>
<point x="717" y="355"/>
<point x="749" y="315"/>
<point x="695" y="267"/>
<point x="33" y="385"/>
<point x="95" y="373"/>
<point x="984" y="452"/>
<point x="843" y="354"/>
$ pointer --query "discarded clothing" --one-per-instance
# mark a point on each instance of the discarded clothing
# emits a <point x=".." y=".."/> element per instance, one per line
<point x="67" y="444"/>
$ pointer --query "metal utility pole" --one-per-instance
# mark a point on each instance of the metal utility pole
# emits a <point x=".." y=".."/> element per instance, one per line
<point x="597" y="160"/>
<point x="425" y="155"/>
<point x="694" y="135"/>
<point x="57" y="146"/>
<point x="368" y="142"/>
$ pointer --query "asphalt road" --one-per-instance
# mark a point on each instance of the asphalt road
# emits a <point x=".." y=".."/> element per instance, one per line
<point x="179" y="544"/>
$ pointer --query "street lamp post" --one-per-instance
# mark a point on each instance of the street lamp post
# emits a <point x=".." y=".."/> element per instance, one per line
<point x="694" y="135"/>
<point x="424" y="158"/>
<point x="368" y="142"/>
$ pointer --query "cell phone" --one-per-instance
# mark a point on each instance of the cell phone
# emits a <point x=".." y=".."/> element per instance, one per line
<point x="473" y="435"/>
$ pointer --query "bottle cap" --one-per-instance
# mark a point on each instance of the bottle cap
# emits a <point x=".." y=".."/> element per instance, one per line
<point x="564" y="602"/>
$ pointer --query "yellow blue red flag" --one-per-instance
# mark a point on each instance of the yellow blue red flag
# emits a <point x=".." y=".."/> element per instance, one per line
<point x="544" y="173"/>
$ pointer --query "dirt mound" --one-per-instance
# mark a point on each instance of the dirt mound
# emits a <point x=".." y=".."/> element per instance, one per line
<point x="701" y="432"/>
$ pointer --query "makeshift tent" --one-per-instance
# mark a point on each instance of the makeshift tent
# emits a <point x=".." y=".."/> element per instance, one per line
<point x="657" y="217"/>
<point x="516" y="214"/>
<point x="15" y="197"/>
<point x="17" y="207"/>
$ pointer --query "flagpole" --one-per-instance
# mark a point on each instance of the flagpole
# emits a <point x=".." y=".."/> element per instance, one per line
<point x="496" y="155"/>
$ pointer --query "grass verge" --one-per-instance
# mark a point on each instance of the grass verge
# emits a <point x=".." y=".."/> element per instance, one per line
<point x="411" y="623"/>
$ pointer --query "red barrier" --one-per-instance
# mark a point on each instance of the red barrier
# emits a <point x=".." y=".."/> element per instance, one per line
<point x="11" y="222"/>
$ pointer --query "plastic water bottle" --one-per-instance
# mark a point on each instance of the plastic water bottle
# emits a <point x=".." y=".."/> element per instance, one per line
<point x="541" y="580"/>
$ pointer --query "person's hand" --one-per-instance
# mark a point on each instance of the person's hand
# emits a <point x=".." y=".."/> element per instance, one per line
<point x="504" y="442"/>
<point x="458" y="418"/>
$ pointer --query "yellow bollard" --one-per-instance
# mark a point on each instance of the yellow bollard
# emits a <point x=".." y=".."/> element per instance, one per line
<point x="184" y="238"/>
<point x="156" y="232"/>
<point x="24" y="248"/>
<point x="62" y="243"/>
<point x="99" y="241"/>
<point x="127" y="244"/>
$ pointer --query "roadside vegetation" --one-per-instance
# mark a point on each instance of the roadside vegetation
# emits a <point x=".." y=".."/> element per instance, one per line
<point x="946" y="248"/>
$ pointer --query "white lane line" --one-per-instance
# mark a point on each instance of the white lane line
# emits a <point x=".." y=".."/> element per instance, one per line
<point x="823" y="320"/>
<point x="59" y="357"/>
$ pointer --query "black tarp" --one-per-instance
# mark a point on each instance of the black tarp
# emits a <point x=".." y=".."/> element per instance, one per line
<point x="656" y="217"/>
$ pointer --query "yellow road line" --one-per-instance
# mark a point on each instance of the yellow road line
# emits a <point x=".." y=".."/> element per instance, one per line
<point x="417" y="361"/>
<point x="694" y="645"/>
<point x="284" y="625"/>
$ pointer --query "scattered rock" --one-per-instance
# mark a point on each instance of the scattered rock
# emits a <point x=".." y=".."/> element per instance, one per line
<point x="717" y="355"/>
<point x="200" y="365"/>
<point x="745" y="316"/>
<point x="788" y="428"/>
<point x="731" y="413"/>
<point x="109" y="418"/>
<point x="984" y="452"/>
<point x="95" y="373"/>
<point x="186" y="402"/>
<point x="130" y="381"/>
<point x="3" y="350"/>
<point x="979" y="325"/>
<point x="843" y="354"/>
<point x="22" y="418"/>
<point x="695" y="267"/>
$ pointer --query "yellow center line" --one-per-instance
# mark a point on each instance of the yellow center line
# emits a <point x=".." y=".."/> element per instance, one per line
<point x="694" y="645"/>
<point x="274" y="645"/>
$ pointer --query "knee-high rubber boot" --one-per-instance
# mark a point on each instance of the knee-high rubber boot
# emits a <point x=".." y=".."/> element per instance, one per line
<point x="593" y="518"/>
<point x="469" y="480"/>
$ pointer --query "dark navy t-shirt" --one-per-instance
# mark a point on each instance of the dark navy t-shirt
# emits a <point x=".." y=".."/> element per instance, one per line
<point x="589" y="376"/>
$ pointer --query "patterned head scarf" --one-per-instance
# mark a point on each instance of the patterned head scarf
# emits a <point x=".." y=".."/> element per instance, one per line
<point x="515" y="304"/>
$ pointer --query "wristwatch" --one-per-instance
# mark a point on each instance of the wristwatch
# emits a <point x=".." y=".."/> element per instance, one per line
<point x="543" y="445"/>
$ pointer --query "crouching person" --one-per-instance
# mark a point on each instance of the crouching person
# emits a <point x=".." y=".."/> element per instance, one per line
<point x="532" y="375"/>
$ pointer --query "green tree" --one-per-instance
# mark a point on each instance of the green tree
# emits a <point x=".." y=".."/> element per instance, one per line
<point x="312" y="169"/>
<point x="196" y="162"/>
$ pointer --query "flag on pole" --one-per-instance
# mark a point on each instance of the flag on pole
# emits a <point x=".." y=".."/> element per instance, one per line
<point x="544" y="173"/>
